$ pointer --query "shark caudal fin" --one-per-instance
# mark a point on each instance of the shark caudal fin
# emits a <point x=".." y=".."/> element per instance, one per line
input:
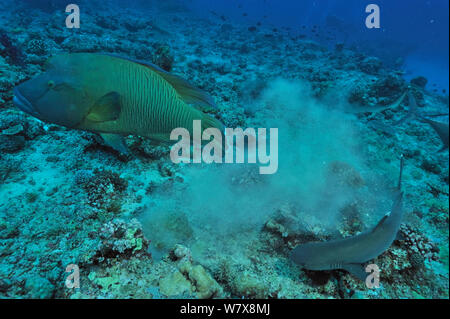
<point x="439" y="127"/>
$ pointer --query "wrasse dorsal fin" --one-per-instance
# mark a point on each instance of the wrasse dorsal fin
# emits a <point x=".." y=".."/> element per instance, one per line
<point x="191" y="95"/>
<point x="55" y="60"/>
<point x="106" y="108"/>
<point x="186" y="91"/>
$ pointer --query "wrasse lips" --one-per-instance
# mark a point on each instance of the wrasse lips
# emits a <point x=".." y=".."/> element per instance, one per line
<point x="22" y="103"/>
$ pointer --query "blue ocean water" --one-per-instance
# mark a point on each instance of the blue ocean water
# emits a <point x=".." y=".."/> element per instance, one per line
<point x="416" y="32"/>
<point x="93" y="204"/>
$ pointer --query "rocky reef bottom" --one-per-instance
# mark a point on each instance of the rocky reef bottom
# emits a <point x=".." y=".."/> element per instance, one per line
<point x="141" y="226"/>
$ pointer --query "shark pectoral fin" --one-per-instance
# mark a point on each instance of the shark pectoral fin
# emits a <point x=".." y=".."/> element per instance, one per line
<point x="380" y="222"/>
<point x="400" y="236"/>
<point x="356" y="270"/>
<point x="107" y="108"/>
<point x="115" y="141"/>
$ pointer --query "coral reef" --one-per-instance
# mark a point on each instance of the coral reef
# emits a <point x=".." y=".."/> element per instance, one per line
<point x="420" y="247"/>
<point x="163" y="57"/>
<point x="8" y="49"/>
<point x="121" y="239"/>
<point x="143" y="227"/>
<point x="102" y="187"/>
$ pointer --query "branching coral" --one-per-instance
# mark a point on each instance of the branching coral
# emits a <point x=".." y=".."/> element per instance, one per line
<point x="418" y="245"/>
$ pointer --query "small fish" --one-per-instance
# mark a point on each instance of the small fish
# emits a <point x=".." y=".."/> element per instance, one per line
<point x="442" y="129"/>
<point x="114" y="97"/>
<point x="351" y="253"/>
<point x="437" y="115"/>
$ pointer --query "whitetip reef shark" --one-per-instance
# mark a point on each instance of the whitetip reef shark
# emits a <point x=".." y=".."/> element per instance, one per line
<point x="376" y="108"/>
<point x="440" y="128"/>
<point x="353" y="252"/>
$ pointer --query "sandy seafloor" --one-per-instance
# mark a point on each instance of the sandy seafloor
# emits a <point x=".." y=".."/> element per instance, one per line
<point x="143" y="227"/>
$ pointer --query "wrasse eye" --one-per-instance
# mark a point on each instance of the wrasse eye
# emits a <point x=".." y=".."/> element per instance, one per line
<point x="51" y="84"/>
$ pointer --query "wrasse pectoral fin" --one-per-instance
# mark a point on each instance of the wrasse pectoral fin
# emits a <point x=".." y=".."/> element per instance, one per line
<point x="107" y="108"/>
<point x="116" y="141"/>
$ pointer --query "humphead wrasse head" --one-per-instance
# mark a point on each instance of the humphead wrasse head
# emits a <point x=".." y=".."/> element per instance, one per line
<point x="114" y="97"/>
<point x="55" y="96"/>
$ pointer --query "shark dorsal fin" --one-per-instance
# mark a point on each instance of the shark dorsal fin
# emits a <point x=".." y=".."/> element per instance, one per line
<point x="402" y="162"/>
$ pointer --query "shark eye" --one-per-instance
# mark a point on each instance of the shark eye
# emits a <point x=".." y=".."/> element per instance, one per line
<point x="51" y="84"/>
